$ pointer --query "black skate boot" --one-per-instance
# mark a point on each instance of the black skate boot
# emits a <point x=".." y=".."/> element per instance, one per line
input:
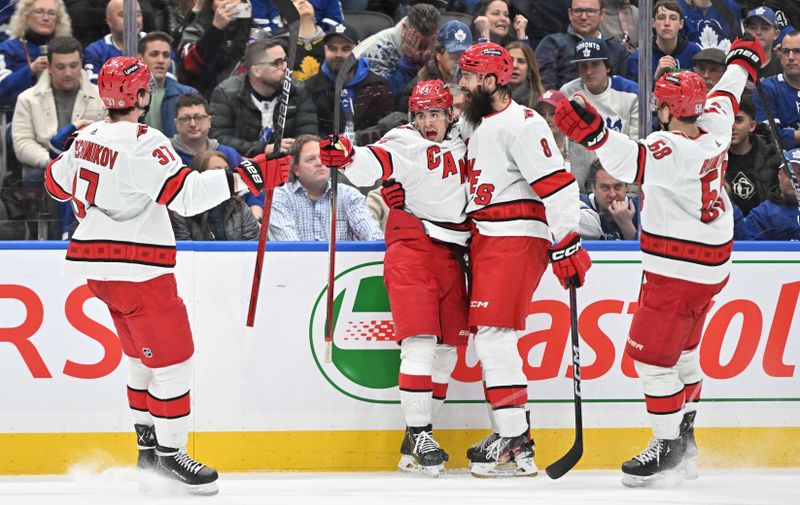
<point x="421" y="453"/>
<point x="146" y="441"/>
<point x="690" y="454"/>
<point x="177" y="465"/>
<point x="481" y="445"/>
<point x="505" y="457"/>
<point x="661" y="462"/>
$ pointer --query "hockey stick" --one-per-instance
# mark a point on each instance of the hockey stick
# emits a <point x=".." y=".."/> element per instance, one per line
<point x="762" y="97"/>
<point x="570" y="459"/>
<point x="292" y="17"/>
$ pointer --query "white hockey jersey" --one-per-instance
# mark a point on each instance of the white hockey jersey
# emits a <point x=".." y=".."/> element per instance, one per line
<point x="433" y="175"/>
<point x="687" y="220"/>
<point x="518" y="184"/>
<point x="121" y="178"/>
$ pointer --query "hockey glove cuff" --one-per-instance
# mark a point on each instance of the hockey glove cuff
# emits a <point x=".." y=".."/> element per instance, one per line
<point x="338" y="154"/>
<point x="274" y="168"/>
<point x="581" y="122"/>
<point x="747" y="52"/>
<point x="570" y="261"/>
<point x="393" y="194"/>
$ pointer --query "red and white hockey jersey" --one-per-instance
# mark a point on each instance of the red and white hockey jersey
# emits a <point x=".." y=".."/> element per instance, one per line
<point x="121" y="178"/>
<point x="687" y="221"/>
<point x="433" y="175"/>
<point x="518" y="184"/>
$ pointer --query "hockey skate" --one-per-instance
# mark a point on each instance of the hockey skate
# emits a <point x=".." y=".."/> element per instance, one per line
<point x="690" y="454"/>
<point x="146" y="441"/>
<point x="504" y="457"/>
<point x="481" y="445"/>
<point x="421" y="453"/>
<point x="176" y="464"/>
<point x="661" y="463"/>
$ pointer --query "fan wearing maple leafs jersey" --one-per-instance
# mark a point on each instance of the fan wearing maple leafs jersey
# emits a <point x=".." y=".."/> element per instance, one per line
<point x="426" y="237"/>
<point x="122" y="177"/>
<point x="686" y="242"/>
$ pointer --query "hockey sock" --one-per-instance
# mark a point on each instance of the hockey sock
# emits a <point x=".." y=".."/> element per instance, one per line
<point x="443" y="365"/>
<point x="416" y="384"/>
<point x="139" y="377"/>
<point x="692" y="377"/>
<point x="663" y="397"/>
<point x="169" y="403"/>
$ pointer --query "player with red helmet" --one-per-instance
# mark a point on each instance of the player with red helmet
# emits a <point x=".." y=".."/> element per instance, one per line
<point x="122" y="177"/>
<point x="426" y="238"/>
<point x="521" y="199"/>
<point x="686" y="242"/>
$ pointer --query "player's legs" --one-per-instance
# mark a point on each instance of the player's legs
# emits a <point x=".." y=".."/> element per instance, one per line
<point x="692" y="378"/>
<point x="139" y="378"/>
<point x="443" y="365"/>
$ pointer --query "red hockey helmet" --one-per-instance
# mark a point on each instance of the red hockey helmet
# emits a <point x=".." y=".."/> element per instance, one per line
<point x="430" y="95"/>
<point x="488" y="58"/>
<point x="120" y="81"/>
<point x="685" y="93"/>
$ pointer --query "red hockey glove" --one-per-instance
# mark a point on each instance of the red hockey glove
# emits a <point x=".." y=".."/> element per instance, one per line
<point x="746" y="51"/>
<point x="264" y="172"/>
<point x="581" y="122"/>
<point x="393" y="194"/>
<point x="337" y="155"/>
<point x="570" y="261"/>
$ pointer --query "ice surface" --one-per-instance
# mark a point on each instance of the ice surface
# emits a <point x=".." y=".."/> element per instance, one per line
<point x="120" y="486"/>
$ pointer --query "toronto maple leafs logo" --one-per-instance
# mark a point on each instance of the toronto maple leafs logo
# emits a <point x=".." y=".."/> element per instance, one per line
<point x="460" y="35"/>
<point x="587" y="52"/>
<point x="614" y="125"/>
<point x="711" y="35"/>
<point x="760" y="11"/>
<point x="340" y="28"/>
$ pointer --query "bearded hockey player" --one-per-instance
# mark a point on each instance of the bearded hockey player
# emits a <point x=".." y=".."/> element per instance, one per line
<point x="426" y="238"/>
<point x="686" y="242"/>
<point x="521" y="198"/>
<point x="121" y="177"/>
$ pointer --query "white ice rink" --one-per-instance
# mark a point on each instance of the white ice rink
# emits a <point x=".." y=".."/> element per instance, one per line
<point x="121" y="487"/>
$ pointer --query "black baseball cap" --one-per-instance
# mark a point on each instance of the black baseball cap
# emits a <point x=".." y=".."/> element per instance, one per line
<point x="342" y="30"/>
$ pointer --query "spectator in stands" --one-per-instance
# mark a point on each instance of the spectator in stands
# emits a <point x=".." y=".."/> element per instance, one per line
<point x="244" y="107"/>
<point x="155" y="49"/>
<point x="554" y="52"/>
<point x="100" y="51"/>
<point x="366" y="95"/>
<point x="310" y="42"/>
<point x="493" y="23"/>
<point x="782" y="91"/>
<point x="710" y="65"/>
<point x="544" y="17"/>
<point x="46" y="114"/>
<point x="671" y="49"/>
<point x="709" y="26"/>
<point x="326" y="12"/>
<point x="230" y="220"/>
<point x="621" y="22"/>
<point x="5" y="16"/>
<point x="526" y="83"/>
<point x="192" y="123"/>
<point x="212" y="46"/>
<point x="546" y="106"/>
<point x="397" y="53"/>
<point x="787" y="11"/>
<point x="762" y="23"/>
<point x="619" y="213"/>
<point x="615" y="98"/>
<point x="301" y="207"/>
<point x="458" y="101"/>
<point x="753" y="162"/>
<point x="777" y="218"/>
<point x="23" y="56"/>
<point x="88" y="19"/>
<point x="452" y="39"/>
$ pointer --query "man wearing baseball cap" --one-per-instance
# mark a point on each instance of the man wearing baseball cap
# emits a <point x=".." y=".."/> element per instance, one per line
<point x="614" y="97"/>
<point x="762" y="23"/>
<point x="366" y="96"/>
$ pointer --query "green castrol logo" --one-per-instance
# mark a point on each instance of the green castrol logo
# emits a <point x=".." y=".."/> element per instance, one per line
<point x="365" y="360"/>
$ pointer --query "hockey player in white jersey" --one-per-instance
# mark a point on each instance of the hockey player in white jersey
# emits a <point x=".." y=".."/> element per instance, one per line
<point x="121" y="177"/>
<point x="426" y="237"/>
<point x="686" y="242"/>
<point x="521" y="198"/>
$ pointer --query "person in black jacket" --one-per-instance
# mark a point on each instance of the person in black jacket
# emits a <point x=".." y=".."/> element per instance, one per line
<point x="366" y="95"/>
<point x="244" y="108"/>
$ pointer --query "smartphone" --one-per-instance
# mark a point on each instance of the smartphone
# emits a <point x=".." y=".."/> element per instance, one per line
<point x="244" y="10"/>
<point x="43" y="50"/>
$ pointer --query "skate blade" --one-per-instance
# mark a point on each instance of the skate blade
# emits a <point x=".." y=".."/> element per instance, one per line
<point x="209" y="489"/>
<point x="409" y="464"/>
<point x="523" y="468"/>
<point x="665" y="479"/>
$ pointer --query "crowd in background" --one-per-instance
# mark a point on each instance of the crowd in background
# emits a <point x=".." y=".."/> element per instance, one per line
<point x="219" y="64"/>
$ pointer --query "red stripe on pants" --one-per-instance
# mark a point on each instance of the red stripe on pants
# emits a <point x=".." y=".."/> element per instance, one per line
<point x="137" y="399"/>
<point x="664" y="404"/>
<point x="416" y="383"/>
<point x="171" y="408"/>
<point x="439" y="391"/>
<point x="507" y="396"/>
<point x="691" y="392"/>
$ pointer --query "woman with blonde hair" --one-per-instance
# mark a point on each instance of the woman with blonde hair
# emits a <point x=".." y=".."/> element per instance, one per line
<point x="526" y="84"/>
<point x="23" y="57"/>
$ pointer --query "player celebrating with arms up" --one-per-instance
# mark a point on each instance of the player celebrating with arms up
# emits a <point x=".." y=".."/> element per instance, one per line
<point x="122" y="177"/>
<point x="686" y="242"/>
<point x="426" y="237"/>
<point x="521" y="198"/>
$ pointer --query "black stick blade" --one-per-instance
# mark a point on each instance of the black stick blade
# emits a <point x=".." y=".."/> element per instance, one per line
<point x="567" y="462"/>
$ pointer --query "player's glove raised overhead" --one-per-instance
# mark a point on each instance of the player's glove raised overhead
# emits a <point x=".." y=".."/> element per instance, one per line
<point x="570" y="261"/>
<point x="393" y="194"/>
<point x="581" y="122"/>
<point x="339" y="154"/>
<point x="746" y="51"/>
<point x="264" y="171"/>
